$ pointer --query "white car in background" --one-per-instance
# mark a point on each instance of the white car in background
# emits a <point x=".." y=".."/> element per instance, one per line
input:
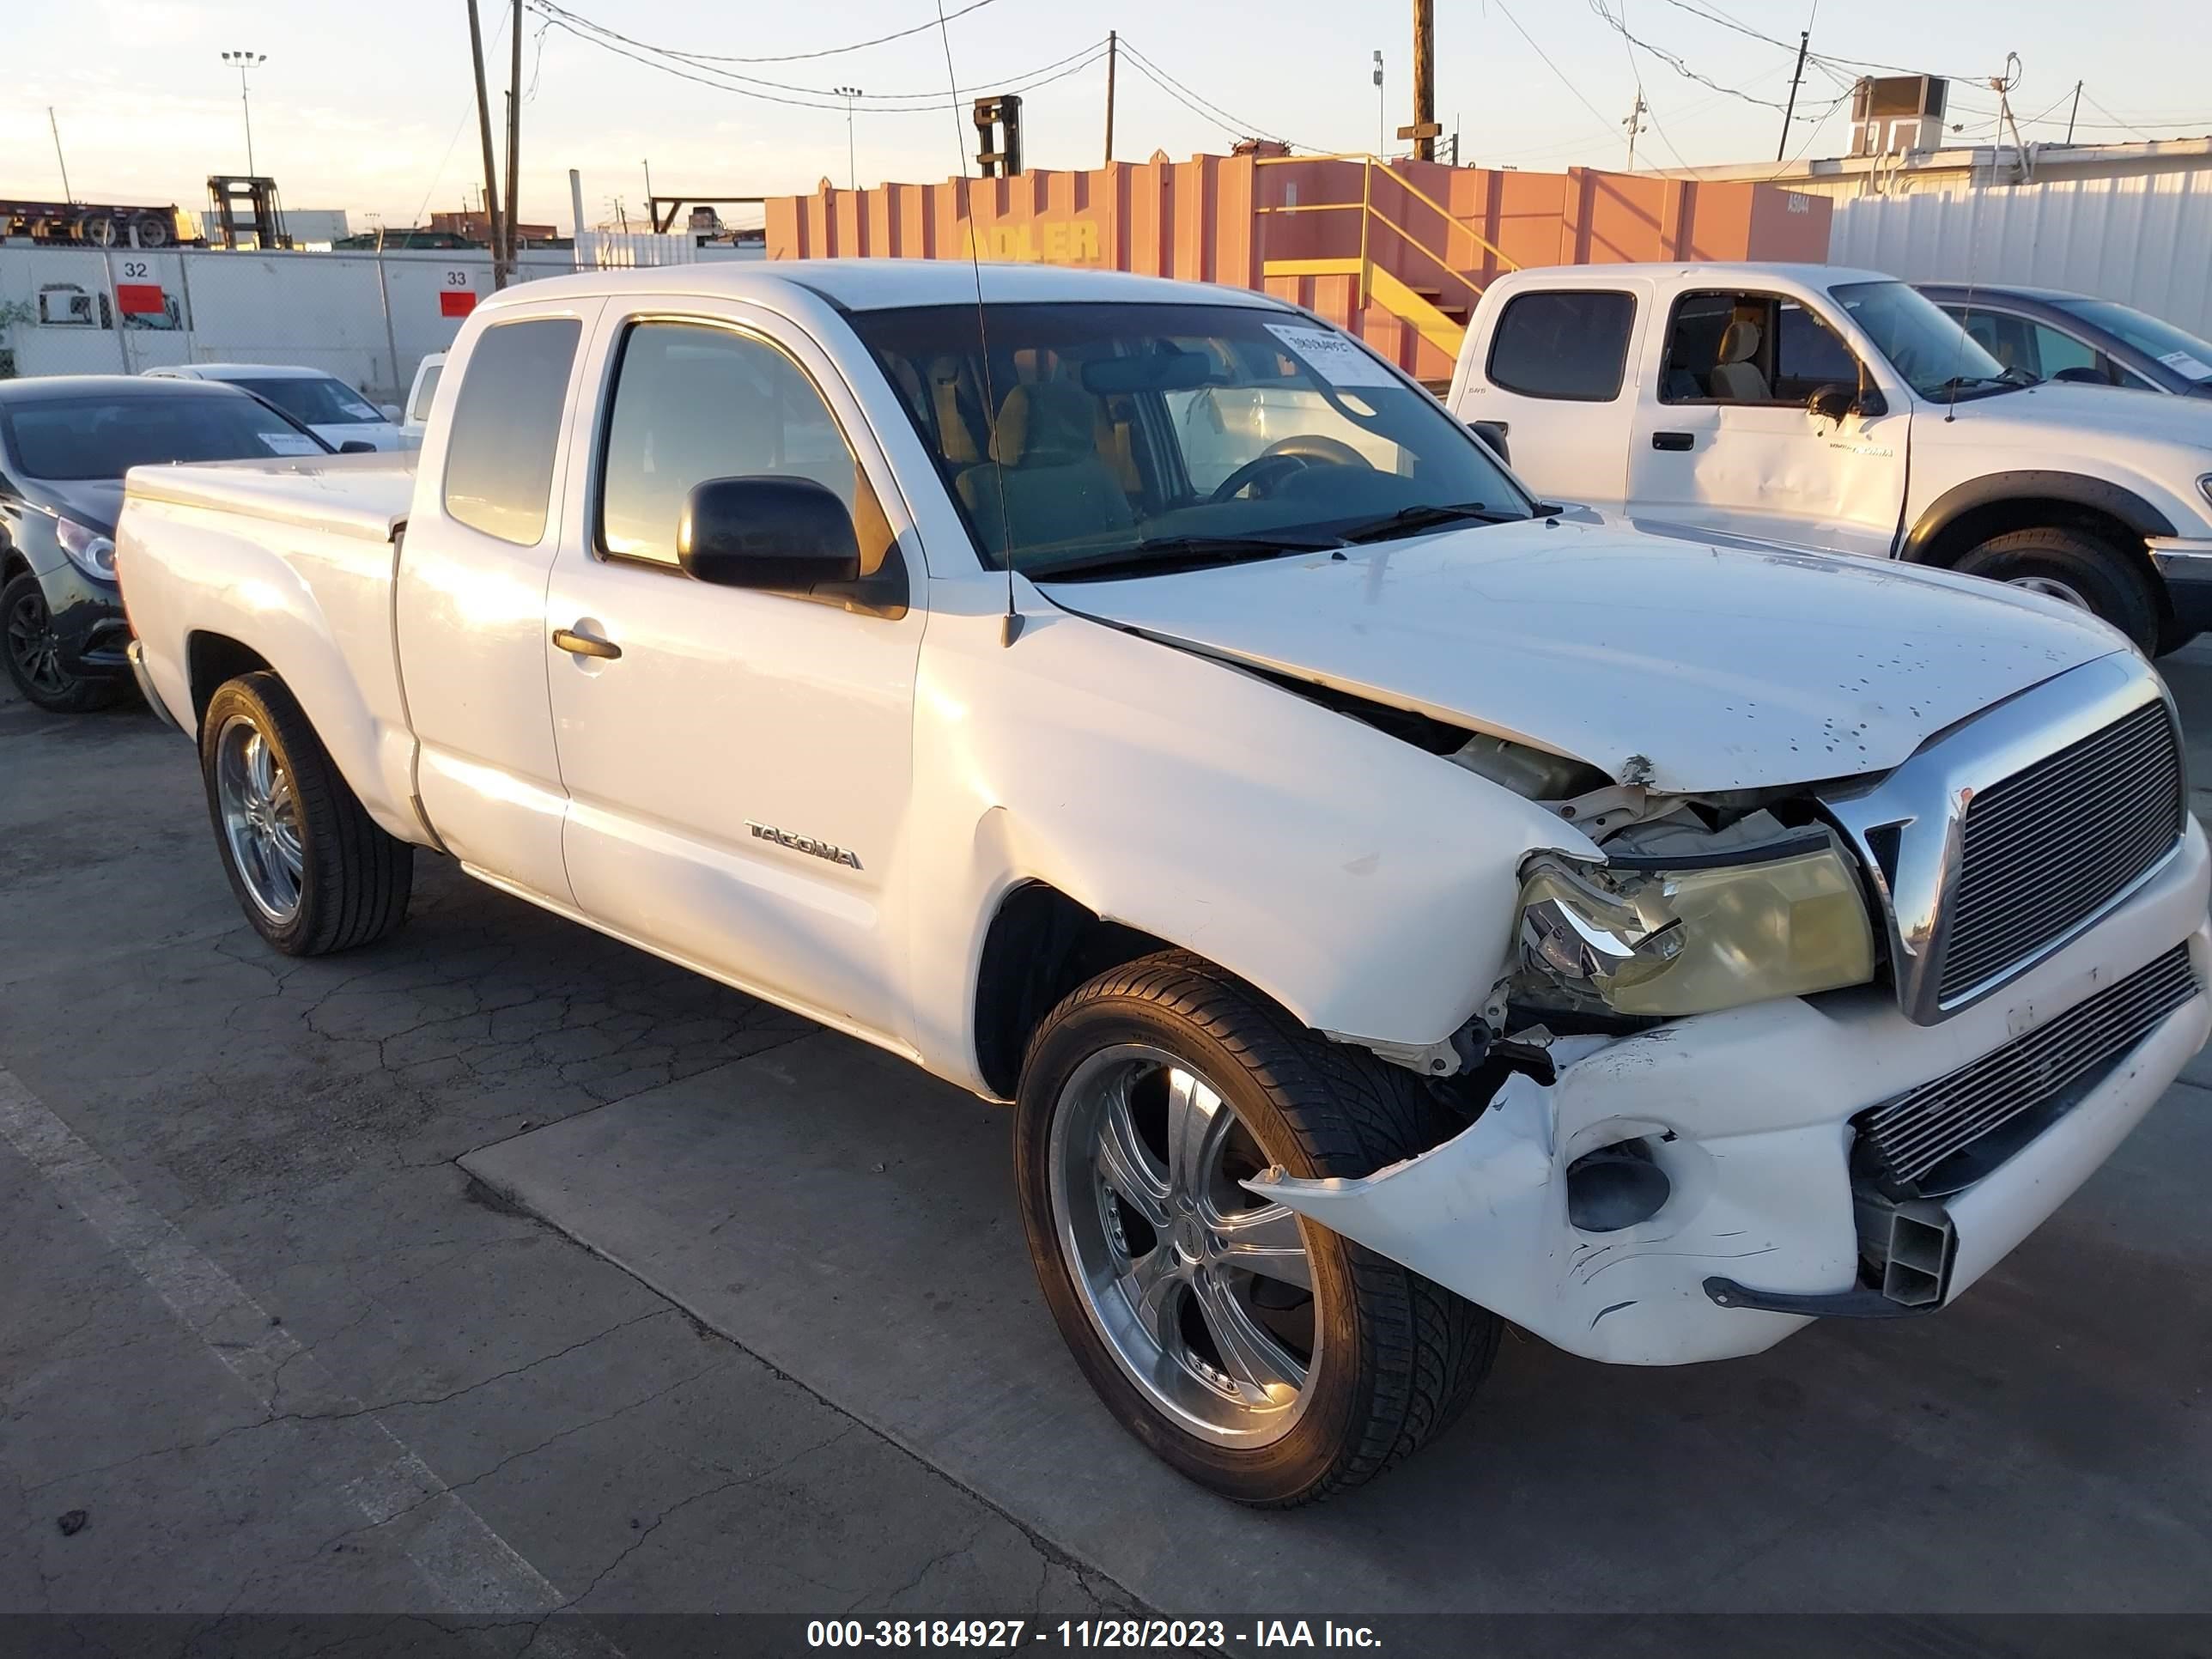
<point x="337" y="413"/>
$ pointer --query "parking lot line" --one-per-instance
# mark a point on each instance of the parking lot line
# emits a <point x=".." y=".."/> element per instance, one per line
<point x="470" y="1567"/>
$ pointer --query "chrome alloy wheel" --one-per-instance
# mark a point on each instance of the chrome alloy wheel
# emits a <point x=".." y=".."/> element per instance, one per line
<point x="1203" y="1293"/>
<point x="2051" y="588"/>
<point x="260" y="817"/>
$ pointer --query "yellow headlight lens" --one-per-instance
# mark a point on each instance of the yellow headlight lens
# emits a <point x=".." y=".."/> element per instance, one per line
<point x="1661" y="942"/>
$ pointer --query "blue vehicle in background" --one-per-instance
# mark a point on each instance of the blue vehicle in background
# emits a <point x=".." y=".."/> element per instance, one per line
<point x="2057" y="335"/>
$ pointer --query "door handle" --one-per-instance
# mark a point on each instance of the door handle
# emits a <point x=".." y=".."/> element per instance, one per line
<point x="1674" y="440"/>
<point x="583" y="644"/>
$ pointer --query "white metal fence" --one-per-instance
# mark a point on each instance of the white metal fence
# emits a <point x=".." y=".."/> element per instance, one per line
<point x="366" y="318"/>
<point x="2145" y="241"/>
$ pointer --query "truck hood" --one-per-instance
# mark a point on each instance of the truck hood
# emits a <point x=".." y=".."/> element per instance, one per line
<point x="1687" y="666"/>
<point x="2040" y="413"/>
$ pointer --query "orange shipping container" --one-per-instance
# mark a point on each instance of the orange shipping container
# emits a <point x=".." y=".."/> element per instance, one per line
<point x="1398" y="252"/>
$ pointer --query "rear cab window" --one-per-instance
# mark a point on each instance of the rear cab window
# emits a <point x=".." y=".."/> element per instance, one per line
<point x="1565" y="344"/>
<point x="501" y="451"/>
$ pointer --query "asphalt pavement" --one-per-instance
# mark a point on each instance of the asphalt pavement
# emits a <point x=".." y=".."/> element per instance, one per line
<point x="502" y="1269"/>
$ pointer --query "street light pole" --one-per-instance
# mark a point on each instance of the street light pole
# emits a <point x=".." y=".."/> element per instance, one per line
<point x="1378" y="105"/>
<point x="851" y="171"/>
<point x="243" y="61"/>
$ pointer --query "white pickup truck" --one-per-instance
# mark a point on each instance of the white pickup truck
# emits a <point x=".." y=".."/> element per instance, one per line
<point x="1392" y="909"/>
<point x="1815" y="406"/>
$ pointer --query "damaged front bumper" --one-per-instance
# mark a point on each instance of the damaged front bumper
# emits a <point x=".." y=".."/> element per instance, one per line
<point x="1768" y="1218"/>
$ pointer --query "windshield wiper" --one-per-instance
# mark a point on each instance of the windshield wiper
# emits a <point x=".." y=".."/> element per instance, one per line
<point x="1407" y="520"/>
<point x="1161" y="556"/>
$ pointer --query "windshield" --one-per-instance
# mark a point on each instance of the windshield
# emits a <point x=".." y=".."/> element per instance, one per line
<point x="1137" y="435"/>
<point x="2179" y="350"/>
<point x="317" y="399"/>
<point x="77" y="438"/>
<point x="1935" y="355"/>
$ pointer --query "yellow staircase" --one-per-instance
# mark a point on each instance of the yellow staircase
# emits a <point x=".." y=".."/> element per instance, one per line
<point x="1438" y="314"/>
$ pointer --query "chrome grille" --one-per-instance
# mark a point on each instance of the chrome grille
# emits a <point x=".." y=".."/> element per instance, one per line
<point x="2051" y="846"/>
<point x="2027" y="1083"/>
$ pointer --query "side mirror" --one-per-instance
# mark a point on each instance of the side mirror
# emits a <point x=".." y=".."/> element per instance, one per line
<point x="1493" y="434"/>
<point x="390" y="413"/>
<point x="784" y="535"/>
<point x="356" y="446"/>
<point x="1831" y="403"/>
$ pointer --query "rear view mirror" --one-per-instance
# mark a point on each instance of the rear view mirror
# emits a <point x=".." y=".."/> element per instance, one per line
<point x="1157" y="371"/>
<point x="784" y="535"/>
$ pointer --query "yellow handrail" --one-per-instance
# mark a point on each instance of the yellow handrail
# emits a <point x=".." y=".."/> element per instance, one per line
<point x="1368" y="164"/>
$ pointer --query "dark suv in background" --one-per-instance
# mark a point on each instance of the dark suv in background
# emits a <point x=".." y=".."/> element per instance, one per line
<point x="2057" y="335"/>
<point x="65" y="442"/>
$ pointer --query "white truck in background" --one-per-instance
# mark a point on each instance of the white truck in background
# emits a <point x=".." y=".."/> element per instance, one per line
<point x="1816" y="406"/>
<point x="1392" y="909"/>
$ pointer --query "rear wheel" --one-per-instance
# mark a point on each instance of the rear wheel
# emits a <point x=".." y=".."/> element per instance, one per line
<point x="34" y="657"/>
<point x="1261" y="1354"/>
<point x="2076" y="568"/>
<point x="311" y="869"/>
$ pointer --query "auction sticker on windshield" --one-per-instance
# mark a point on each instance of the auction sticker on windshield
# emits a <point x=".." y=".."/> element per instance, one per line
<point x="1336" y="358"/>
<point x="2184" y="362"/>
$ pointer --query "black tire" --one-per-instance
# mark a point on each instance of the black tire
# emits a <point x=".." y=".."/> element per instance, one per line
<point x="355" y="879"/>
<point x="2112" y="582"/>
<point x="1400" y="1356"/>
<point x="25" y="641"/>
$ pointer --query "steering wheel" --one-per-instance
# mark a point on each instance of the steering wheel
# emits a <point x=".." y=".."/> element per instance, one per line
<point x="1289" y="455"/>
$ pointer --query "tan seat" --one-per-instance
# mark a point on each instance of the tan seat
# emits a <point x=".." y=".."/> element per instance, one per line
<point x="1735" y="378"/>
<point x="1046" y="481"/>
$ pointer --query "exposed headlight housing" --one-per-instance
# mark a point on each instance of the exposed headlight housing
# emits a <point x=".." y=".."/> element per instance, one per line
<point x="2204" y="486"/>
<point x="87" y="549"/>
<point x="1660" y="939"/>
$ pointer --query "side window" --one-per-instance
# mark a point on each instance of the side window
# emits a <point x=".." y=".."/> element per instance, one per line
<point x="2059" y="355"/>
<point x="1809" y="355"/>
<point x="2011" y="340"/>
<point x="1571" y="344"/>
<point x="692" y="401"/>
<point x="499" y="459"/>
<point x="1724" y="349"/>
<point x="425" y="390"/>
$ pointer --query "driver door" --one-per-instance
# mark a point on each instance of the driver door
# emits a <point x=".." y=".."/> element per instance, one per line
<point x="1728" y="443"/>
<point x="737" y="761"/>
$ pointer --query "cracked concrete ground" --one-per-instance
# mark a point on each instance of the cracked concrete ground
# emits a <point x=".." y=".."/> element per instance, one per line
<point x="441" y="1369"/>
<point x="389" y="1372"/>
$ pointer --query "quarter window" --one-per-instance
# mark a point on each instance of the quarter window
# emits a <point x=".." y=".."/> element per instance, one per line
<point x="506" y="422"/>
<point x="1571" y="344"/>
<point x="694" y="402"/>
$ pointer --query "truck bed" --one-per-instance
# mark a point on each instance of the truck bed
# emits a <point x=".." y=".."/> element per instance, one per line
<point x="349" y="494"/>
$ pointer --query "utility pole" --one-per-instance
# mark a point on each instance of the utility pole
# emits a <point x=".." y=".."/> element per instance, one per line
<point x="2071" y="114"/>
<point x="1804" y="41"/>
<point x="852" y="169"/>
<point x="652" y="212"/>
<point x="243" y="61"/>
<point x="64" y="161"/>
<point x="1635" y="125"/>
<point x="1424" y="81"/>
<point x="576" y="215"/>
<point x="514" y="144"/>
<point x="1113" y="48"/>
<point x="491" y="162"/>
<point x="1379" y="145"/>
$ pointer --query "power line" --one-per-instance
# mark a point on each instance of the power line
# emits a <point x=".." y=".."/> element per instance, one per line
<point x="1596" y="114"/>
<point x="797" y="57"/>
<point x="1676" y="63"/>
<point x="1214" y="112"/>
<point x="886" y="104"/>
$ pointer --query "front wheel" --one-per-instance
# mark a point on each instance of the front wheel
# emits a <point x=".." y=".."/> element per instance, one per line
<point x="34" y="654"/>
<point x="311" y="870"/>
<point x="2078" y="569"/>
<point x="1259" y="1353"/>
